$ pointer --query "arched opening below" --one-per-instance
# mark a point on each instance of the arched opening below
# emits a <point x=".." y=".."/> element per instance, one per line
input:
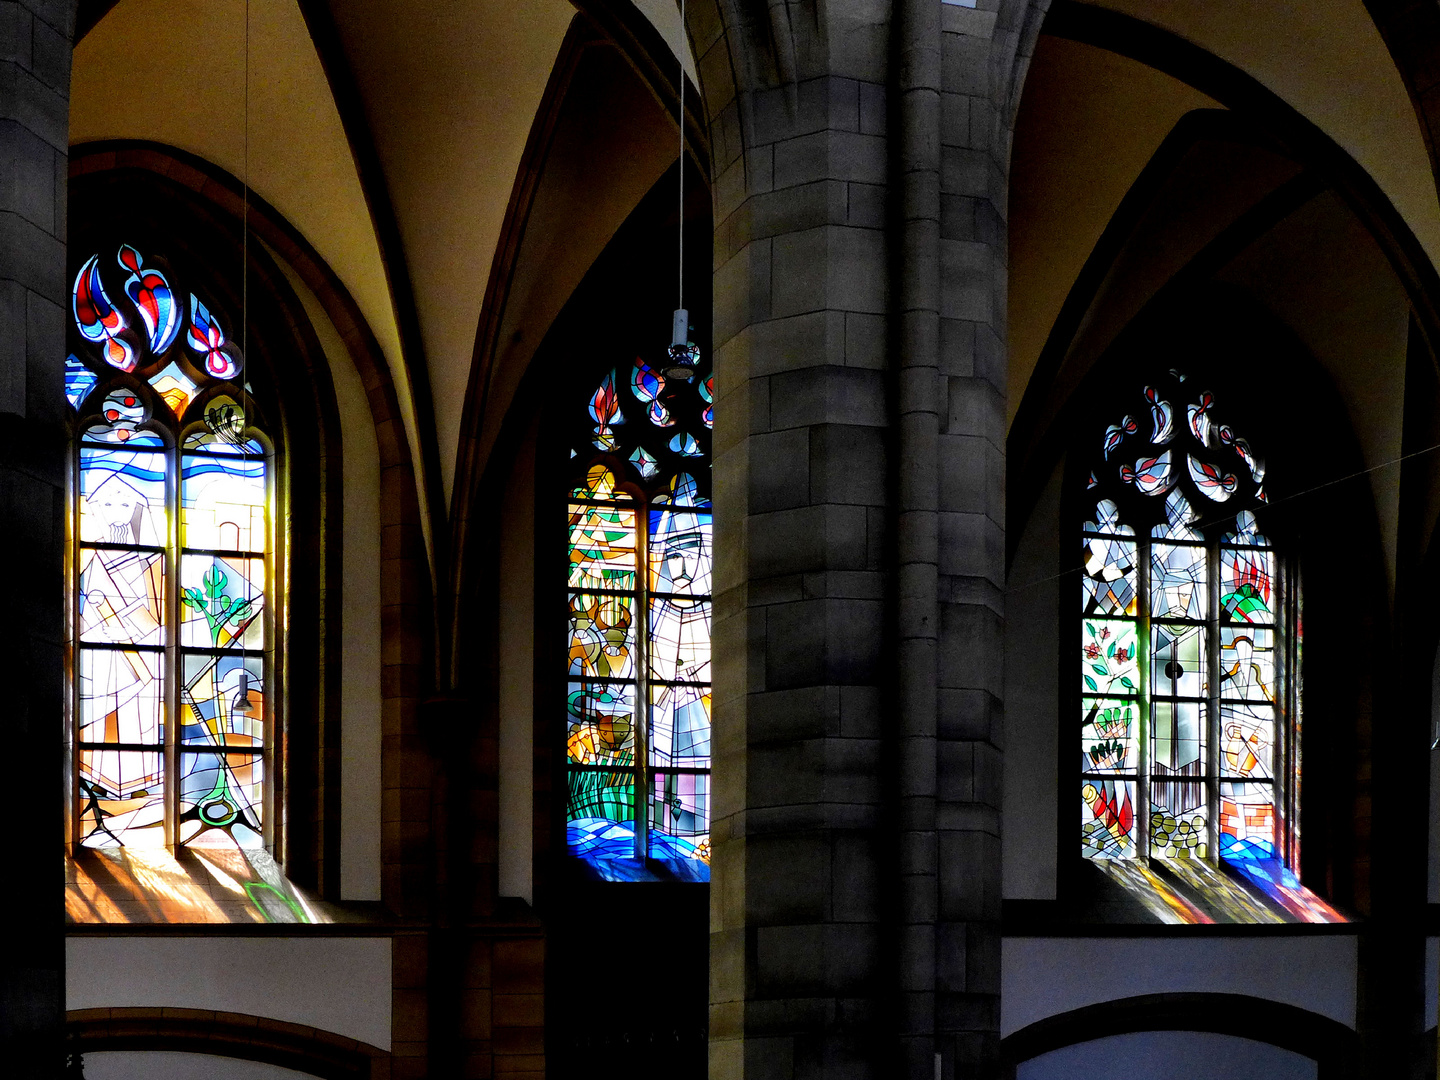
<point x="1139" y="1055"/>
<point x="180" y="1065"/>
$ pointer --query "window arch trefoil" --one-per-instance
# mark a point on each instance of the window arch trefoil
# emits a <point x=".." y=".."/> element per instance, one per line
<point x="1189" y="645"/>
<point x="172" y="544"/>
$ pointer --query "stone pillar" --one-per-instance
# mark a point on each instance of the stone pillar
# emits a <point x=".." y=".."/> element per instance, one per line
<point x="802" y="542"/>
<point x="34" y="145"/>
<point x="860" y="151"/>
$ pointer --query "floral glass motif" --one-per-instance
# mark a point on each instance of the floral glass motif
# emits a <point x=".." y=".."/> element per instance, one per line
<point x="639" y="601"/>
<point x="171" y="528"/>
<point x="1189" y="640"/>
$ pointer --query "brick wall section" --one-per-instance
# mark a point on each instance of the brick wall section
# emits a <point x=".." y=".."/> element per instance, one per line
<point x="34" y="137"/>
<point x="518" y="986"/>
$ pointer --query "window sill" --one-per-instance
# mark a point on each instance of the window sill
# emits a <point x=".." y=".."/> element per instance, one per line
<point x="210" y="886"/>
<point x="1169" y="896"/>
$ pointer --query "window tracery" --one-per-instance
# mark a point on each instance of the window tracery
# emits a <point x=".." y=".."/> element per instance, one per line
<point x="639" y="584"/>
<point x="171" y="528"/>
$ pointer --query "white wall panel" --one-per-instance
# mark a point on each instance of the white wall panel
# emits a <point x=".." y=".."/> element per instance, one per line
<point x="1043" y="977"/>
<point x="341" y="985"/>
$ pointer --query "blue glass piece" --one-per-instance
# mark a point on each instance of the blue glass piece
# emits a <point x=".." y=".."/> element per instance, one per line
<point x="644" y="463"/>
<point x="601" y="838"/>
<point x="685" y="445"/>
<point x="79" y="380"/>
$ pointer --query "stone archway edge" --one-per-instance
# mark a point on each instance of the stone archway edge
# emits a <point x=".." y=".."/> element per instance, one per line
<point x="225" y="1034"/>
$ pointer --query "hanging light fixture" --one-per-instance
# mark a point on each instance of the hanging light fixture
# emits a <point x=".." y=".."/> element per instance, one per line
<point x="683" y="356"/>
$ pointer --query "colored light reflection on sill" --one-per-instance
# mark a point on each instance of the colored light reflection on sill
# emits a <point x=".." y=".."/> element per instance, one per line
<point x="116" y="885"/>
<point x="1240" y="891"/>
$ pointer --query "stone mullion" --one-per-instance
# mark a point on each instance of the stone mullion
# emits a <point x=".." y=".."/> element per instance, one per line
<point x="34" y="139"/>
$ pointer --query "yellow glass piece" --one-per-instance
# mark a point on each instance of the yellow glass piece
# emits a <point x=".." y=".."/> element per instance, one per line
<point x="602" y="547"/>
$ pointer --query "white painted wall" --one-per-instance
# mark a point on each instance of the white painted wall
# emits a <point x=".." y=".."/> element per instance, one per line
<point x="1043" y="977"/>
<point x="167" y="1065"/>
<point x="360" y="660"/>
<point x="1164" y="1055"/>
<point x="340" y="985"/>
<point x="517" y="676"/>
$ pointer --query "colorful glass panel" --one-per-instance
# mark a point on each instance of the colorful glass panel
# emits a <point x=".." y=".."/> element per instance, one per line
<point x="121" y="596"/>
<point x="79" y="381"/>
<point x="1178" y="827"/>
<point x="222" y="600"/>
<point x="1109" y="582"/>
<point x="602" y="635"/>
<point x="602" y="724"/>
<point x="1247" y="740"/>
<point x="222" y="701"/>
<point x="1109" y="736"/>
<point x="1177" y="660"/>
<point x="602" y="547"/>
<point x="1247" y="663"/>
<point x="223" y="502"/>
<point x="1173" y="553"/>
<point x="1247" y="583"/>
<point x="1177" y="737"/>
<point x="601" y="813"/>
<point x="160" y="508"/>
<point x="122" y="696"/>
<point x="122" y="497"/>
<point x="1109" y="657"/>
<point x="1247" y="821"/>
<point x="1179" y="584"/>
<point x="224" y="793"/>
<point x="1107" y="819"/>
<point x="122" y="797"/>
<point x="640" y="559"/>
<point x="680" y="725"/>
<point x="680" y="816"/>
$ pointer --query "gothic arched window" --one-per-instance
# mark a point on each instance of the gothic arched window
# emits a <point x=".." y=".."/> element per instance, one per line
<point x="1190" y="638"/>
<point x="638" y="716"/>
<point x="172" y="538"/>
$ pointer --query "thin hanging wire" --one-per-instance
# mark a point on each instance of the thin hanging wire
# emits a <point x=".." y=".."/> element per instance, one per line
<point x="680" y="56"/>
<point x="245" y="206"/>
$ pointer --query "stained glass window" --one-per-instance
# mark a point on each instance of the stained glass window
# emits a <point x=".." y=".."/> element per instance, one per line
<point x="171" y="544"/>
<point x="637" y="726"/>
<point x="1190" y="638"/>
